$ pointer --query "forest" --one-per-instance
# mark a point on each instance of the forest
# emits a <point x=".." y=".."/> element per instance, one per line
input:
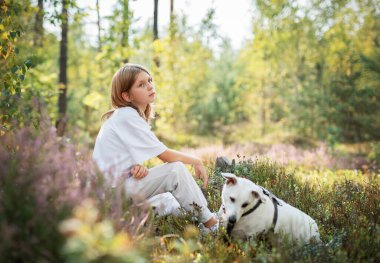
<point x="296" y="105"/>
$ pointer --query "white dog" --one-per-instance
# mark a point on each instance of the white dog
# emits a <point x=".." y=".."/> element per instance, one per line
<point x="248" y="209"/>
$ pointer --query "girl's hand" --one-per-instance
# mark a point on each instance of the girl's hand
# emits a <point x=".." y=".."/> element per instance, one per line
<point x="138" y="171"/>
<point x="200" y="172"/>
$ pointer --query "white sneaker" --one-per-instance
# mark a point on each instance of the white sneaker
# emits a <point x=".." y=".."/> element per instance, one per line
<point x="207" y="230"/>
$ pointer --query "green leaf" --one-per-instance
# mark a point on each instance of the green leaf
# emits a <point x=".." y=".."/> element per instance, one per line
<point x="21" y="77"/>
<point x="13" y="34"/>
<point x="28" y="63"/>
<point x="14" y="69"/>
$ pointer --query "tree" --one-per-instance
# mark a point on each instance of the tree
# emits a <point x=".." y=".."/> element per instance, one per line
<point x="125" y="27"/>
<point x="38" y="25"/>
<point x="98" y="23"/>
<point x="62" y="100"/>
<point x="14" y="63"/>
<point x="171" y="21"/>
<point x="156" y="59"/>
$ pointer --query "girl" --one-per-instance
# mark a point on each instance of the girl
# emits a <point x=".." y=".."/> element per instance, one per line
<point x="125" y="141"/>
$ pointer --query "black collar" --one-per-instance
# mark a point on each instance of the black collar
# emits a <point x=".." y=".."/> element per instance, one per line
<point x="253" y="208"/>
<point x="275" y="202"/>
<point x="275" y="216"/>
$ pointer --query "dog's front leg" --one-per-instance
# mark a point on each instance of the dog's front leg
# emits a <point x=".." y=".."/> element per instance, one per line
<point x="222" y="216"/>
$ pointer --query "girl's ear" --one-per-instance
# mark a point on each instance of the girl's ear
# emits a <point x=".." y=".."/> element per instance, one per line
<point x="231" y="179"/>
<point x="126" y="96"/>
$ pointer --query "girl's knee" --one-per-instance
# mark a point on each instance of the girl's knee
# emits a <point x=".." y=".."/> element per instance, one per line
<point x="177" y="167"/>
<point x="179" y="170"/>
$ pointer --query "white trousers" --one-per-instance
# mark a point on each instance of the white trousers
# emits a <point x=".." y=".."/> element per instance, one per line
<point x="168" y="187"/>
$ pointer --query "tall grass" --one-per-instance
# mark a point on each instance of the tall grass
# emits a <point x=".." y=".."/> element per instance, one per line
<point x="55" y="207"/>
<point x="42" y="179"/>
<point x="347" y="213"/>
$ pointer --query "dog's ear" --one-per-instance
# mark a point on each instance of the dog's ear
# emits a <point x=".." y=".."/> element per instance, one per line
<point x="231" y="179"/>
<point x="258" y="195"/>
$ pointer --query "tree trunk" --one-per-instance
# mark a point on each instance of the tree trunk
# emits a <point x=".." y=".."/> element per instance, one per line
<point x="155" y="23"/>
<point x="155" y="31"/>
<point x="172" y="35"/>
<point x="38" y="25"/>
<point x="99" y="27"/>
<point x="62" y="101"/>
<point x="125" y="29"/>
<point x="171" y="25"/>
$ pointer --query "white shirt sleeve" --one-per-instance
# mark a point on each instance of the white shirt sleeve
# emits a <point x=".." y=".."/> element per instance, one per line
<point x="137" y="136"/>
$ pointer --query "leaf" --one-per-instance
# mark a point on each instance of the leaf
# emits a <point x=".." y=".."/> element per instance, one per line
<point x="93" y="100"/>
<point x="28" y="63"/>
<point x="14" y="69"/>
<point x="13" y="34"/>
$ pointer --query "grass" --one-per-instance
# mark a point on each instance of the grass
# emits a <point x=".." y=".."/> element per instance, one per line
<point x="55" y="208"/>
<point x="347" y="212"/>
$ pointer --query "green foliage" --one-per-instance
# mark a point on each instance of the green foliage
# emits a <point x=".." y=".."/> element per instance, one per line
<point x="13" y="67"/>
<point x="313" y="76"/>
<point x="66" y="213"/>
<point x="92" y="240"/>
<point x="36" y="195"/>
<point x="374" y="154"/>
<point x="42" y="179"/>
<point x="345" y="211"/>
<point x="305" y="72"/>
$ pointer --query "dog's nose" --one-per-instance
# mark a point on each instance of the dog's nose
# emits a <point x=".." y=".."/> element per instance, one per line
<point x="232" y="219"/>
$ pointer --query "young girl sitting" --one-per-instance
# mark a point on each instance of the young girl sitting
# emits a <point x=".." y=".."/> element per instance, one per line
<point x="125" y="141"/>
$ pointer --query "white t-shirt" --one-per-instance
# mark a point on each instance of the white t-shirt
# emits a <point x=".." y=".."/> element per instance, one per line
<point x="124" y="140"/>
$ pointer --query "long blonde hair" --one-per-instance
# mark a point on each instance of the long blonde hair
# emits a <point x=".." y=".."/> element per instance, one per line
<point x="123" y="81"/>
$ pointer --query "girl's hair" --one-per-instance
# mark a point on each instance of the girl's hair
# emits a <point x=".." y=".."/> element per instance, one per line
<point x="123" y="81"/>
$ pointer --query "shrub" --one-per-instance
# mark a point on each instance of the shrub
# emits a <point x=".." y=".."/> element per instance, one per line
<point x="38" y="175"/>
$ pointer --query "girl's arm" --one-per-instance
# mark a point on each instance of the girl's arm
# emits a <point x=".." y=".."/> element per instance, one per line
<point x="176" y="156"/>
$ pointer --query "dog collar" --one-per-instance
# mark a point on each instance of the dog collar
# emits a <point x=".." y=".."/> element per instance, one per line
<point x="275" y="216"/>
<point x="253" y="208"/>
<point x="275" y="204"/>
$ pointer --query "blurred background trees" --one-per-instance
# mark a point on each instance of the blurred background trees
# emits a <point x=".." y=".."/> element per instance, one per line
<point x="309" y="70"/>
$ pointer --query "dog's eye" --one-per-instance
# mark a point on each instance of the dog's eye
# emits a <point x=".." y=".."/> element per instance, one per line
<point x="244" y="205"/>
<point x="232" y="199"/>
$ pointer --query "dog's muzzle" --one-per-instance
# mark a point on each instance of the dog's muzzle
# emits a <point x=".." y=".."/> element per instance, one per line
<point x="230" y="224"/>
<point x="232" y="220"/>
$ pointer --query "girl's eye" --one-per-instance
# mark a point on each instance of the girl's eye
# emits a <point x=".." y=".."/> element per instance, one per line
<point x="150" y="80"/>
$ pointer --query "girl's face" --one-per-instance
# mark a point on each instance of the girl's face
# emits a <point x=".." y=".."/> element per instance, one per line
<point x="142" y="92"/>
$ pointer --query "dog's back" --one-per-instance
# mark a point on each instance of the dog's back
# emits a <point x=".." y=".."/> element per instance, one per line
<point x="297" y="224"/>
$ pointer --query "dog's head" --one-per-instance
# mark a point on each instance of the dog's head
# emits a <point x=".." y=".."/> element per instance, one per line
<point x="239" y="195"/>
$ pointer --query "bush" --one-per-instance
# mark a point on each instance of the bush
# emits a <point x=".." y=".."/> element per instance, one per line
<point x="38" y="188"/>
<point x="45" y="215"/>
